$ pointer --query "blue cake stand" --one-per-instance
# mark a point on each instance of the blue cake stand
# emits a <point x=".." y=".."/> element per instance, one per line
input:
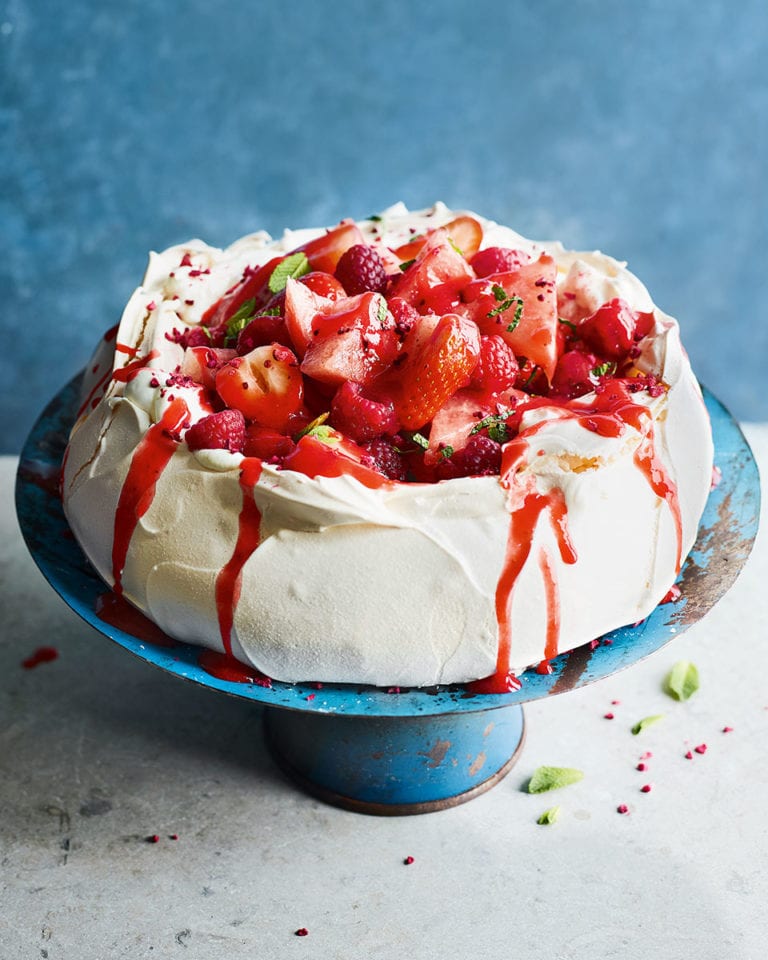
<point x="408" y="751"/>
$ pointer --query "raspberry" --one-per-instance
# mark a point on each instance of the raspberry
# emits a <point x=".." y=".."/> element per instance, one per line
<point x="358" y="417"/>
<point x="480" y="458"/>
<point x="497" y="366"/>
<point x="497" y="260"/>
<point x="383" y="457"/>
<point x="404" y="314"/>
<point x="219" y="431"/>
<point x="361" y="269"/>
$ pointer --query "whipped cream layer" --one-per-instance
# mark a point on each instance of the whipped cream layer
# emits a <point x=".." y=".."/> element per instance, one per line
<point x="397" y="585"/>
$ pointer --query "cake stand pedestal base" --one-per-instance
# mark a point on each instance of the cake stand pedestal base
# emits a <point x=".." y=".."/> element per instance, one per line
<point x="396" y="766"/>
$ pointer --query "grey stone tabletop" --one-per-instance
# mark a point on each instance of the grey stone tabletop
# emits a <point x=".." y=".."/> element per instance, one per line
<point x="102" y="754"/>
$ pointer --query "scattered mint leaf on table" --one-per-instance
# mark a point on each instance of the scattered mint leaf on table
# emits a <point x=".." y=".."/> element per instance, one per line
<point x="549" y="816"/>
<point x="646" y="722"/>
<point x="553" y="778"/>
<point x="682" y="681"/>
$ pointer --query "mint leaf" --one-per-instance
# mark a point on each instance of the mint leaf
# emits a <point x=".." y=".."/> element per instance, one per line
<point x="499" y="292"/>
<point x="531" y="376"/>
<point x="383" y="310"/>
<point x="446" y="451"/>
<point x="375" y="217"/>
<point x="494" y="422"/>
<point x="682" y="681"/>
<point x="317" y="429"/>
<point x="646" y="722"/>
<point x="549" y="816"/>
<point x="407" y="263"/>
<point x="567" y="323"/>
<point x="456" y="248"/>
<point x="553" y="778"/>
<point x="293" y="266"/>
<point x="505" y="302"/>
<point x="421" y="440"/>
<point x="603" y="368"/>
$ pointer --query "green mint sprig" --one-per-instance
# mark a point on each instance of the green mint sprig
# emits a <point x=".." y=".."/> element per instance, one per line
<point x="290" y="268"/>
<point x="682" y="681"/>
<point x="553" y="778"/>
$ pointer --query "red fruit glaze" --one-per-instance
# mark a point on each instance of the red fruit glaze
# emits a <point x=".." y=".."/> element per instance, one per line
<point x="229" y="579"/>
<point x="219" y="431"/>
<point x="117" y="612"/>
<point x="612" y="329"/>
<point x="225" y="667"/>
<point x="149" y="460"/>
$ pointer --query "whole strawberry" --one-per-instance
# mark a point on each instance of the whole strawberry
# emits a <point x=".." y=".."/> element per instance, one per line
<point x="361" y="269"/>
<point x="219" y="431"/>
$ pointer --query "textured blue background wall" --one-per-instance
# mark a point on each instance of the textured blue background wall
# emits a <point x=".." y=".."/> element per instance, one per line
<point x="636" y="128"/>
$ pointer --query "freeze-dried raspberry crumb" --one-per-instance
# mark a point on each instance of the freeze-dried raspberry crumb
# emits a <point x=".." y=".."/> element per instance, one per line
<point x="689" y="755"/>
<point x="727" y="729"/>
<point x="622" y="808"/>
<point x="310" y="696"/>
<point x="702" y="748"/>
<point x="408" y="860"/>
<point x="608" y="716"/>
<point x="646" y="788"/>
<point x="405" y="316"/>
<point x="173" y="836"/>
<point x="640" y="766"/>
<point x="155" y="838"/>
<point x="361" y="269"/>
<point x="302" y="932"/>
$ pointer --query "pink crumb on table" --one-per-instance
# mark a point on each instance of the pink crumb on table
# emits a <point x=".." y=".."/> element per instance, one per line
<point x="310" y="696"/>
<point x="608" y="716"/>
<point x="408" y="860"/>
<point x="155" y="838"/>
<point x="641" y="766"/>
<point x="646" y="788"/>
<point x="646" y="756"/>
<point x="702" y="748"/>
<point x="622" y="808"/>
<point x="615" y="703"/>
<point x="173" y="836"/>
<point x="302" y="932"/>
<point x="689" y="755"/>
<point x="727" y="729"/>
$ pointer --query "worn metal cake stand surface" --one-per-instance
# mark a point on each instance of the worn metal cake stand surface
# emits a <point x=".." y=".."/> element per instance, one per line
<point x="408" y="751"/>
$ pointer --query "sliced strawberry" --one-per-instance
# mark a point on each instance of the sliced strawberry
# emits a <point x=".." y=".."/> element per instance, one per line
<point x="612" y="329"/>
<point x="360" y="418"/>
<point x="266" y="385"/>
<point x="494" y="304"/>
<point x="261" y="331"/>
<point x="465" y="232"/>
<point x="302" y="305"/>
<point x="324" y="285"/>
<point x="219" y="431"/>
<point x="354" y="339"/>
<point x="436" y="264"/>
<point x="201" y="364"/>
<point x="436" y="369"/>
<point x="266" y="443"/>
<point x="454" y="421"/>
<point x="332" y="456"/>
<point x="254" y="285"/>
<point x="325" y="252"/>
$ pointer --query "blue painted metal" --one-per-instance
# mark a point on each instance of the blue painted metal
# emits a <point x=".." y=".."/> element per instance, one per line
<point x="727" y="531"/>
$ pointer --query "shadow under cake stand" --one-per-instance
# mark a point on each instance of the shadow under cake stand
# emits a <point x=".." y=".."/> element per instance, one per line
<point x="408" y="751"/>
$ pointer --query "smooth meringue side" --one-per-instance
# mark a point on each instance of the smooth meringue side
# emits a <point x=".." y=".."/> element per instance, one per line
<point x="394" y="586"/>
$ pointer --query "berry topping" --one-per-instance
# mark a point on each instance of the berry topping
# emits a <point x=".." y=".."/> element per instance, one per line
<point x="361" y="269"/>
<point x="496" y="368"/>
<point x="382" y="457"/>
<point x="358" y="417"/>
<point x="497" y="260"/>
<point x="219" y="431"/>
<point x="265" y="384"/>
<point x="404" y="315"/>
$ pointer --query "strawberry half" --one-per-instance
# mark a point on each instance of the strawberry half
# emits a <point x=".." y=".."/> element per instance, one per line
<point x="437" y="369"/>
<point x="265" y="385"/>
